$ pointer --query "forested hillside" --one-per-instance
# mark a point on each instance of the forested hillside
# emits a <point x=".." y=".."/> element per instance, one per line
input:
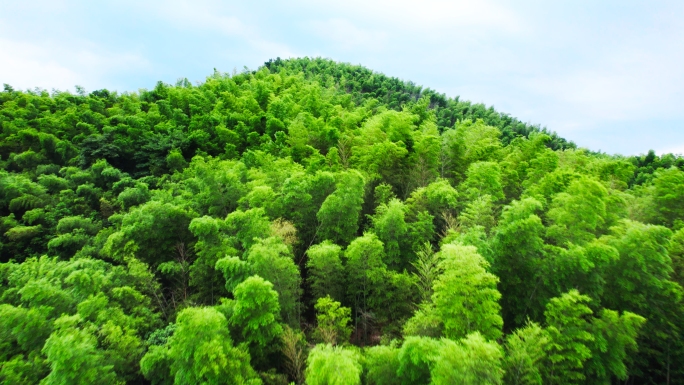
<point x="316" y="222"/>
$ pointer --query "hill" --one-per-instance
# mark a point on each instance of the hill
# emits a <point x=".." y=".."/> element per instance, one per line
<point x="313" y="217"/>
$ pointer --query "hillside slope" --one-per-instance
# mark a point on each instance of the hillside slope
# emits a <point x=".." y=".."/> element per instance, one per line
<point x="364" y="84"/>
<point x="226" y="231"/>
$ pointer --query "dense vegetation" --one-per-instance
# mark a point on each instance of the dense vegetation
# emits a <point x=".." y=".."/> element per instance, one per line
<point x="316" y="222"/>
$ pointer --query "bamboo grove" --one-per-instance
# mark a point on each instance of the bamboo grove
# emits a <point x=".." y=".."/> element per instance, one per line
<point x="316" y="222"/>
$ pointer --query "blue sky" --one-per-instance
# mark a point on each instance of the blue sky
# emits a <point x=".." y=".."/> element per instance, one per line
<point x="608" y="75"/>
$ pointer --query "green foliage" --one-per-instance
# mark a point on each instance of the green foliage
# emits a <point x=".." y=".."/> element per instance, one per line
<point x="234" y="271"/>
<point x="143" y="233"/>
<point x="294" y="352"/>
<point x="83" y="313"/>
<point x="483" y="178"/>
<point x="333" y="321"/>
<point x="272" y="260"/>
<point x="577" y="213"/>
<point x="23" y="232"/>
<point x="73" y="356"/>
<point x="339" y="213"/>
<point x="614" y="338"/>
<point x="328" y="365"/>
<point x="156" y="365"/>
<point x="569" y="338"/>
<point x="473" y="360"/>
<point x="247" y="227"/>
<point x="641" y="277"/>
<point x="479" y="212"/>
<point x="525" y="350"/>
<point x="519" y="253"/>
<point x="416" y="359"/>
<point x="157" y="232"/>
<point x="380" y="365"/>
<point x="390" y="227"/>
<point x="465" y="294"/>
<point x="364" y="84"/>
<point x="381" y="147"/>
<point x="326" y="273"/>
<point x="668" y="195"/>
<point x="427" y="269"/>
<point x="676" y="252"/>
<point x="425" y="322"/>
<point x="201" y="351"/>
<point x="365" y="271"/>
<point x="255" y="314"/>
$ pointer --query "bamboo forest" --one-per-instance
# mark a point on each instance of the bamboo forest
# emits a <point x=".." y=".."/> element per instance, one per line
<point x="315" y="222"/>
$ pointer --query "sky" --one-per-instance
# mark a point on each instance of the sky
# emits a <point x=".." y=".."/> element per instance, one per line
<point x="608" y="75"/>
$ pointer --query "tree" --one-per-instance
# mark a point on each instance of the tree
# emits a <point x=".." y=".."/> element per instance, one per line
<point x="425" y="157"/>
<point x="381" y="149"/>
<point x="156" y="365"/>
<point x="98" y="311"/>
<point x="427" y="270"/>
<point x="676" y="253"/>
<point x="328" y="365"/>
<point x="518" y="255"/>
<point x="301" y="196"/>
<point x="255" y="315"/>
<point x="365" y="270"/>
<point x="333" y="320"/>
<point x="393" y="300"/>
<point x="201" y="351"/>
<point x="391" y="229"/>
<point x="175" y="160"/>
<point x="234" y="271"/>
<point x="479" y="212"/>
<point x="472" y="360"/>
<point x="578" y="213"/>
<point x="293" y="349"/>
<point x="17" y="370"/>
<point x="156" y="230"/>
<point x="425" y="322"/>
<point x="638" y="281"/>
<point x="272" y="260"/>
<point x="668" y="195"/>
<point x="380" y="365"/>
<point x="425" y="209"/>
<point x="450" y="154"/>
<point x="465" y="295"/>
<point x="569" y="338"/>
<point x="247" y="227"/>
<point x="73" y="356"/>
<point x="121" y="215"/>
<point x="615" y="337"/>
<point x="326" y="273"/>
<point x="339" y="213"/>
<point x="472" y="142"/>
<point x="417" y="357"/>
<point x="525" y="353"/>
<point x="483" y="178"/>
<point x="216" y="185"/>
<point x="211" y="246"/>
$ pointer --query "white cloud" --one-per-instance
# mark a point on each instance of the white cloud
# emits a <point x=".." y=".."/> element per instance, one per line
<point x="627" y="84"/>
<point x="216" y="17"/>
<point x="27" y="66"/>
<point x="426" y="15"/>
<point x="62" y="66"/>
<point x="677" y="150"/>
<point x="200" y="15"/>
<point x="346" y="35"/>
